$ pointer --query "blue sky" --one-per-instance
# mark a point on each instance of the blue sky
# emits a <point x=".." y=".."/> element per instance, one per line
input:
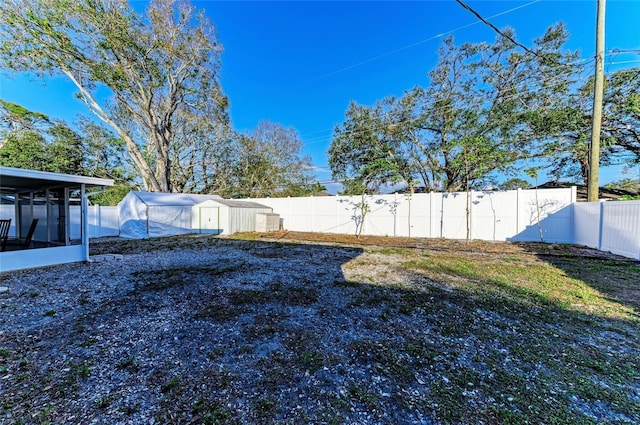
<point x="301" y="63"/>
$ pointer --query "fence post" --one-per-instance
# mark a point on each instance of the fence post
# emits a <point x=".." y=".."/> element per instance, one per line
<point x="313" y="213"/>
<point x="471" y="221"/>
<point x="518" y="194"/>
<point x="600" y="226"/>
<point x="431" y="214"/>
<point x="395" y="215"/>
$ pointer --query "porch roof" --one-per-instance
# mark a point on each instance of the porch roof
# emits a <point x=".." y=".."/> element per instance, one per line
<point x="14" y="180"/>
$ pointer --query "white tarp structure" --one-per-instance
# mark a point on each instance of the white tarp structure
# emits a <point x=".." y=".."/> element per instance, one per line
<point x="151" y="214"/>
<point x="224" y="216"/>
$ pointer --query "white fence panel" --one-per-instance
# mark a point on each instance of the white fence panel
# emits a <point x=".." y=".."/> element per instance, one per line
<point x="621" y="228"/>
<point x="494" y="215"/>
<point x="103" y="221"/>
<point x="545" y="216"/>
<point x="451" y="211"/>
<point x="413" y="215"/>
<point x="586" y="227"/>
<point x="506" y="215"/>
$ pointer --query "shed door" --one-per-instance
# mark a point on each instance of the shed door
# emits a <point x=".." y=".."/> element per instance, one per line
<point x="210" y="220"/>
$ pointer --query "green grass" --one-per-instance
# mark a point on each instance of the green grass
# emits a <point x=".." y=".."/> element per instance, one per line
<point x="578" y="285"/>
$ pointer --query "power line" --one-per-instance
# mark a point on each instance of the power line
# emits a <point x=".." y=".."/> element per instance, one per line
<point x="514" y="96"/>
<point x="417" y="43"/>
<point x="496" y="29"/>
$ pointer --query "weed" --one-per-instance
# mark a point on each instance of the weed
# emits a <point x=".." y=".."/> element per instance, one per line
<point x="216" y="353"/>
<point x="49" y="313"/>
<point x="312" y="361"/>
<point x="394" y="251"/>
<point x="129" y="409"/>
<point x="264" y="406"/>
<point x="106" y="401"/>
<point x="172" y="384"/>
<point x="128" y="364"/>
<point x="359" y="392"/>
<point x="212" y="412"/>
<point x="88" y="342"/>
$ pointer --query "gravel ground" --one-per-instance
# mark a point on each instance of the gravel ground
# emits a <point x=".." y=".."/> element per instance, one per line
<point x="203" y="330"/>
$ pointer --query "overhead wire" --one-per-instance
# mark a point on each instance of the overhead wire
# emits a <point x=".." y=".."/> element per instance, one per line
<point x="531" y="156"/>
<point x="582" y="62"/>
<point x="496" y="29"/>
<point x="417" y="43"/>
<point x="518" y="95"/>
<point x="486" y="22"/>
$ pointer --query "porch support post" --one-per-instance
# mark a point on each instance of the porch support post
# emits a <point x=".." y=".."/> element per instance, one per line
<point x="84" y="218"/>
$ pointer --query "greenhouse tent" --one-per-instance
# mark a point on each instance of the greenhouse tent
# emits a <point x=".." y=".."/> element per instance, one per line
<point x="223" y="216"/>
<point x="151" y="214"/>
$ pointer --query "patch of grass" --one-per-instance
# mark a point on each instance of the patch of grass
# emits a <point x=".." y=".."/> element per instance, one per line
<point x="385" y="357"/>
<point x="296" y="296"/>
<point x="394" y="251"/>
<point x="373" y="297"/>
<point x="129" y="409"/>
<point x="219" y="312"/>
<point x="106" y="401"/>
<point x="312" y="360"/>
<point x="171" y="384"/>
<point x="537" y="283"/>
<point x="163" y="279"/>
<point x="88" y="342"/>
<point x="264" y="407"/>
<point x="248" y="296"/>
<point x="358" y="391"/>
<point x="129" y="364"/>
<point x="216" y="352"/>
<point x="50" y="313"/>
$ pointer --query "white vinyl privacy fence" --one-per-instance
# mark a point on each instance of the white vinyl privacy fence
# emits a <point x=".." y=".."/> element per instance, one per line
<point x="517" y="215"/>
<point x="520" y="215"/>
<point x="609" y="226"/>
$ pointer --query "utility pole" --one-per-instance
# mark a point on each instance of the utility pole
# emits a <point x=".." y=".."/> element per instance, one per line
<point x="594" y="154"/>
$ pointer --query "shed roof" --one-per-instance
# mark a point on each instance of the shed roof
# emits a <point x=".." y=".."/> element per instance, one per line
<point x="240" y="204"/>
<point x="187" y="199"/>
<point x="13" y="180"/>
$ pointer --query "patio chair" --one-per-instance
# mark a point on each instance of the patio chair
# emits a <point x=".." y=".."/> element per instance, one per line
<point x="23" y="244"/>
<point x="4" y="232"/>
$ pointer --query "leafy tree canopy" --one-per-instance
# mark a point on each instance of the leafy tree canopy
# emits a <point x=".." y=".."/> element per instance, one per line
<point x="160" y="67"/>
<point x="54" y="146"/>
<point x="477" y="116"/>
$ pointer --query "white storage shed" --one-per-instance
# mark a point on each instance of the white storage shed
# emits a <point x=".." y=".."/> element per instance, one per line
<point x="150" y="214"/>
<point x="224" y="217"/>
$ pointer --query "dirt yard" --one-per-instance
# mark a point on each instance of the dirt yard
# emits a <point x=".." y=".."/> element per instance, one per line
<point x="296" y="328"/>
